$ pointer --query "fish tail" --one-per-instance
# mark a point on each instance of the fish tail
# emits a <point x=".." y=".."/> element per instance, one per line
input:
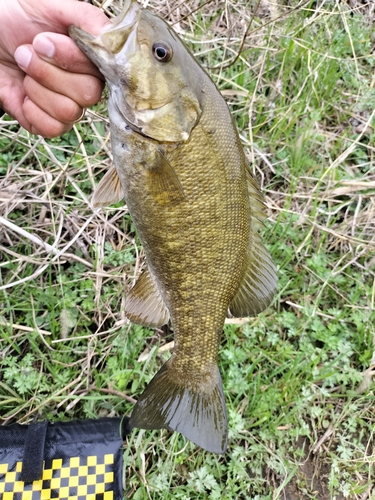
<point x="196" y="410"/>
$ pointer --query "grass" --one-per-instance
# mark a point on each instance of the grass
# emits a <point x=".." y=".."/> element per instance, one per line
<point x="298" y="378"/>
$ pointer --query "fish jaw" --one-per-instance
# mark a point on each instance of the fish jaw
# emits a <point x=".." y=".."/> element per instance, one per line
<point x="155" y="99"/>
<point x="102" y="49"/>
<point x="93" y="48"/>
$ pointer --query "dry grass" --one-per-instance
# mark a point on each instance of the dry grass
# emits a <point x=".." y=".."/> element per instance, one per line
<point x="312" y="149"/>
<point x="71" y="224"/>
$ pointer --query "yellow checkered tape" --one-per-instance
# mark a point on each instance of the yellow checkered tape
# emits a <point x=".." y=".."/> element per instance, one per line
<point x="81" y="478"/>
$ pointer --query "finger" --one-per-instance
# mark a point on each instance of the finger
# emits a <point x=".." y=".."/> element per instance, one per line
<point x="83" y="89"/>
<point x="62" y="52"/>
<point x="58" y="106"/>
<point x="12" y="94"/>
<point x="41" y="123"/>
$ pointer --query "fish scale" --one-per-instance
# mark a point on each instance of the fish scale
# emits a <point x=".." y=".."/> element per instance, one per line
<point x="181" y="168"/>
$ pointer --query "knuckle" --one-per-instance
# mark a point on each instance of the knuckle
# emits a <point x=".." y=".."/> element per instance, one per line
<point x="68" y="111"/>
<point x="55" y="129"/>
<point x="41" y="123"/>
<point x="28" y="84"/>
<point x="40" y="71"/>
<point x="92" y="92"/>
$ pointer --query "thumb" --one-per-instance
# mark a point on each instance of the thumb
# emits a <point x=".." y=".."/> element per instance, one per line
<point x="60" y="15"/>
<point x="12" y="96"/>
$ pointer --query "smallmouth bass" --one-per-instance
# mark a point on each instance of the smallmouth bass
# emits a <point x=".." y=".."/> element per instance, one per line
<point x="180" y="165"/>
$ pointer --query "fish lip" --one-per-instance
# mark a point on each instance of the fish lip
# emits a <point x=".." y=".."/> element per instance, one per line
<point x="84" y="41"/>
<point x="98" y="48"/>
<point x="92" y="46"/>
<point x="78" y="34"/>
<point x="152" y="108"/>
<point x="135" y="128"/>
<point x="120" y="18"/>
<point x="135" y="110"/>
<point x="131" y="125"/>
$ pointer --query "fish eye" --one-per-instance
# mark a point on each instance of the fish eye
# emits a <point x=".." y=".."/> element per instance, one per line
<point x="162" y="51"/>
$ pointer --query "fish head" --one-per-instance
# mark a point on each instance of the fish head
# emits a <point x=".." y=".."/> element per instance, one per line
<point x="153" y="79"/>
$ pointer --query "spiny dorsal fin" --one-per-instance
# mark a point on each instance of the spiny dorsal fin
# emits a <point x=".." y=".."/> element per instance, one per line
<point x="259" y="282"/>
<point x="109" y="190"/>
<point x="197" y="412"/>
<point x="144" y="304"/>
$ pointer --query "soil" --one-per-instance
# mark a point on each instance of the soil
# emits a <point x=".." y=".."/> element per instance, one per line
<point x="311" y="480"/>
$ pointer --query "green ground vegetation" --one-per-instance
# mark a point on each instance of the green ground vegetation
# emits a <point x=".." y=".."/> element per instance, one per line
<point x="298" y="378"/>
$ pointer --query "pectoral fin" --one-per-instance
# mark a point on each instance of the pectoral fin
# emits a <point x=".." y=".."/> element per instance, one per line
<point x="144" y="304"/>
<point x="109" y="190"/>
<point x="163" y="182"/>
<point x="259" y="281"/>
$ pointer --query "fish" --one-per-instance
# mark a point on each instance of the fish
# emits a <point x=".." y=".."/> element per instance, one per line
<point x="180" y="165"/>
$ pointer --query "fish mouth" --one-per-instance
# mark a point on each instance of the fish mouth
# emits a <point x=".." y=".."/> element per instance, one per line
<point x="90" y="45"/>
<point x="79" y="35"/>
<point x="111" y="40"/>
<point x="118" y="20"/>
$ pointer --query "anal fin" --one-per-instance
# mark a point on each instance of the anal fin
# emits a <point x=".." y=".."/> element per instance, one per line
<point x="144" y="304"/>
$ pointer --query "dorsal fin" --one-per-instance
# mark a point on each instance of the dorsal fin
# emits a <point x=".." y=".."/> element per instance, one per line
<point x="259" y="281"/>
<point x="144" y="304"/>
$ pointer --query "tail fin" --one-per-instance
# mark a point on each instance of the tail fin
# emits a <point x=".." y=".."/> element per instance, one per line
<point x="196" y="411"/>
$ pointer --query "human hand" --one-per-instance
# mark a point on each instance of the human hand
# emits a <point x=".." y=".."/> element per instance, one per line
<point x="45" y="80"/>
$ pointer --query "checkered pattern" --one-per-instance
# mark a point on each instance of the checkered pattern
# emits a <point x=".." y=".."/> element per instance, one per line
<point x="89" y="478"/>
